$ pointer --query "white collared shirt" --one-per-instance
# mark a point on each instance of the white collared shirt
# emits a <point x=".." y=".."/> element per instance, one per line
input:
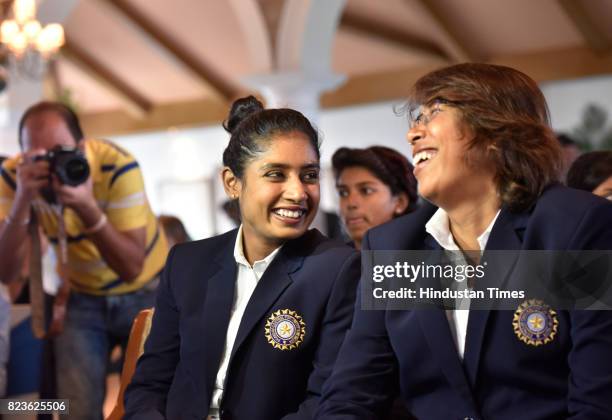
<point x="246" y="280"/>
<point x="438" y="226"/>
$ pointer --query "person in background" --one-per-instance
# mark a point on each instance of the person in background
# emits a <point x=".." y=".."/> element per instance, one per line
<point x="375" y="185"/>
<point x="248" y="323"/>
<point x="592" y="172"/>
<point x="17" y="292"/>
<point x="5" y="309"/>
<point x="488" y="164"/>
<point x="570" y="152"/>
<point x="108" y="244"/>
<point x="174" y="229"/>
<point x="232" y="211"/>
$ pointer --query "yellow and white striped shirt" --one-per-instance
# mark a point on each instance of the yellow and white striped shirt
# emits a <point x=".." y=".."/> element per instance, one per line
<point x="119" y="189"/>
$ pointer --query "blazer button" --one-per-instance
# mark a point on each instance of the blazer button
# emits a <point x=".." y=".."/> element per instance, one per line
<point x="469" y="418"/>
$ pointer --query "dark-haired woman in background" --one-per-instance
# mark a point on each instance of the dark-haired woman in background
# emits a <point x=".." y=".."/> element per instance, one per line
<point x="174" y="229"/>
<point x="592" y="172"/>
<point x="248" y="324"/>
<point x="375" y="185"/>
<point x="486" y="158"/>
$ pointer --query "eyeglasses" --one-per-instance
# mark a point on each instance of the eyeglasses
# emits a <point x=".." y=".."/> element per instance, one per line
<point x="421" y="116"/>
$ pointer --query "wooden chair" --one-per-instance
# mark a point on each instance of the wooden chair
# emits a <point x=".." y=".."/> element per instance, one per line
<point x="135" y="347"/>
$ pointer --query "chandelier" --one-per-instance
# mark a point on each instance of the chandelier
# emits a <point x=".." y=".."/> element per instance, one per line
<point x="29" y="44"/>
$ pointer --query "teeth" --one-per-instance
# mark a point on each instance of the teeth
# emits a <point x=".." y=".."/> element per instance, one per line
<point x="294" y="214"/>
<point x="422" y="157"/>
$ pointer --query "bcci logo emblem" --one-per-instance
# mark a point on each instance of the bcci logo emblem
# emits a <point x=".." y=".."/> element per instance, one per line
<point x="285" y="329"/>
<point x="535" y="323"/>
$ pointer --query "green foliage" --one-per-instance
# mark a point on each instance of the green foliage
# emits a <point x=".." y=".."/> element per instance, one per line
<point x="593" y="132"/>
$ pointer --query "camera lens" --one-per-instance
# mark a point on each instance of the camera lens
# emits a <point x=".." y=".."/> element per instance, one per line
<point x="77" y="171"/>
<point x="70" y="166"/>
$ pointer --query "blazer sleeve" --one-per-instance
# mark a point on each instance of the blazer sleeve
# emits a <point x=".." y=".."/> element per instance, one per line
<point x="145" y="396"/>
<point x="363" y="382"/>
<point x="590" y="381"/>
<point x="336" y="321"/>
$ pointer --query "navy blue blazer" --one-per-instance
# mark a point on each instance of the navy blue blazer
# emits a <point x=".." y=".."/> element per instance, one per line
<point x="313" y="277"/>
<point x="500" y="377"/>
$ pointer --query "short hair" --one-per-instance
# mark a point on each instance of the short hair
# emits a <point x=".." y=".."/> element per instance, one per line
<point x="509" y="117"/>
<point x="174" y="228"/>
<point x="388" y="165"/>
<point x="590" y="170"/>
<point x="251" y="127"/>
<point x="66" y="114"/>
<point x="565" y="140"/>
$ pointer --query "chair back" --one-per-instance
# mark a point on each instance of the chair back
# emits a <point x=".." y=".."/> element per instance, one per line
<point x="135" y="347"/>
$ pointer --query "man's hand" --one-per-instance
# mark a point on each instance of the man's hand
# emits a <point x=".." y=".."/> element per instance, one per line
<point x="80" y="198"/>
<point x="31" y="176"/>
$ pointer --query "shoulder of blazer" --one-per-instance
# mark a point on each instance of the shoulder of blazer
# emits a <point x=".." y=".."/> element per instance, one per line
<point x="315" y="248"/>
<point x="563" y="208"/>
<point x="569" y="217"/>
<point x="567" y="203"/>
<point x="313" y="242"/>
<point x="214" y="248"/>
<point x="405" y="232"/>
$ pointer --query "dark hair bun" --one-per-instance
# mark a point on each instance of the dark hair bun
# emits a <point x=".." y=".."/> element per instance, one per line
<point x="242" y="109"/>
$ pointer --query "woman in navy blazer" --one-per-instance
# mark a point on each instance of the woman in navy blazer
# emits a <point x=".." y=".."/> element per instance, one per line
<point x="487" y="162"/>
<point x="248" y="324"/>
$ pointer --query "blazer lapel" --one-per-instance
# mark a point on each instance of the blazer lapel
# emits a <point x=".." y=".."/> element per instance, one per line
<point x="217" y="311"/>
<point x="436" y="328"/>
<point x="439" y="337"/>
<point x="272" y="284"/>
<point x="504" y="236"/>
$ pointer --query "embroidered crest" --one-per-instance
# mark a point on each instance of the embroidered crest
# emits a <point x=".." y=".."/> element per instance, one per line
<point x="535" y="323"/>
<point x="285" y="329"/>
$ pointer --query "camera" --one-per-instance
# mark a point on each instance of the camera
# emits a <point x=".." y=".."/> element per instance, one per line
<point x="68" y="164"/>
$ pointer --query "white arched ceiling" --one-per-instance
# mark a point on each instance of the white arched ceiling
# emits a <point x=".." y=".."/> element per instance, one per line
<point x="306" y="34"/>
<point x="255" y="32"/>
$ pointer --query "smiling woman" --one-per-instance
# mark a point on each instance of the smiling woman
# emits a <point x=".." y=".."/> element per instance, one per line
<point x="248" y="324"/>
<point x="486" y="157"/>
<point x="272" y="169"/>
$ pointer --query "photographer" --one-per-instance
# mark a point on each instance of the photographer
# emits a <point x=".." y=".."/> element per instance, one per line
<point x="88" y="198"/>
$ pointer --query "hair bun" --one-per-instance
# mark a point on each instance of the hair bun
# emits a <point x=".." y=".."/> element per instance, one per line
<point x="242" y="109"/>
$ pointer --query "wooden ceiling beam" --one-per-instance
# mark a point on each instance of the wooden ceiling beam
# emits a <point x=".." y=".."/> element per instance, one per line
<point x="5" y="8"/>
<point x="559" y="64"/>
<point x="202" y="70"/>
<point x="52" y="84"/>
<point x="355" y="23"/>
<point x="577" y="13"/>
<point x="542" y="66"/>
<point x="376" y="87"/>
<point x="136" y="104"/>
<point x="161" y="117"/>
<point x="465" y="53"/>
